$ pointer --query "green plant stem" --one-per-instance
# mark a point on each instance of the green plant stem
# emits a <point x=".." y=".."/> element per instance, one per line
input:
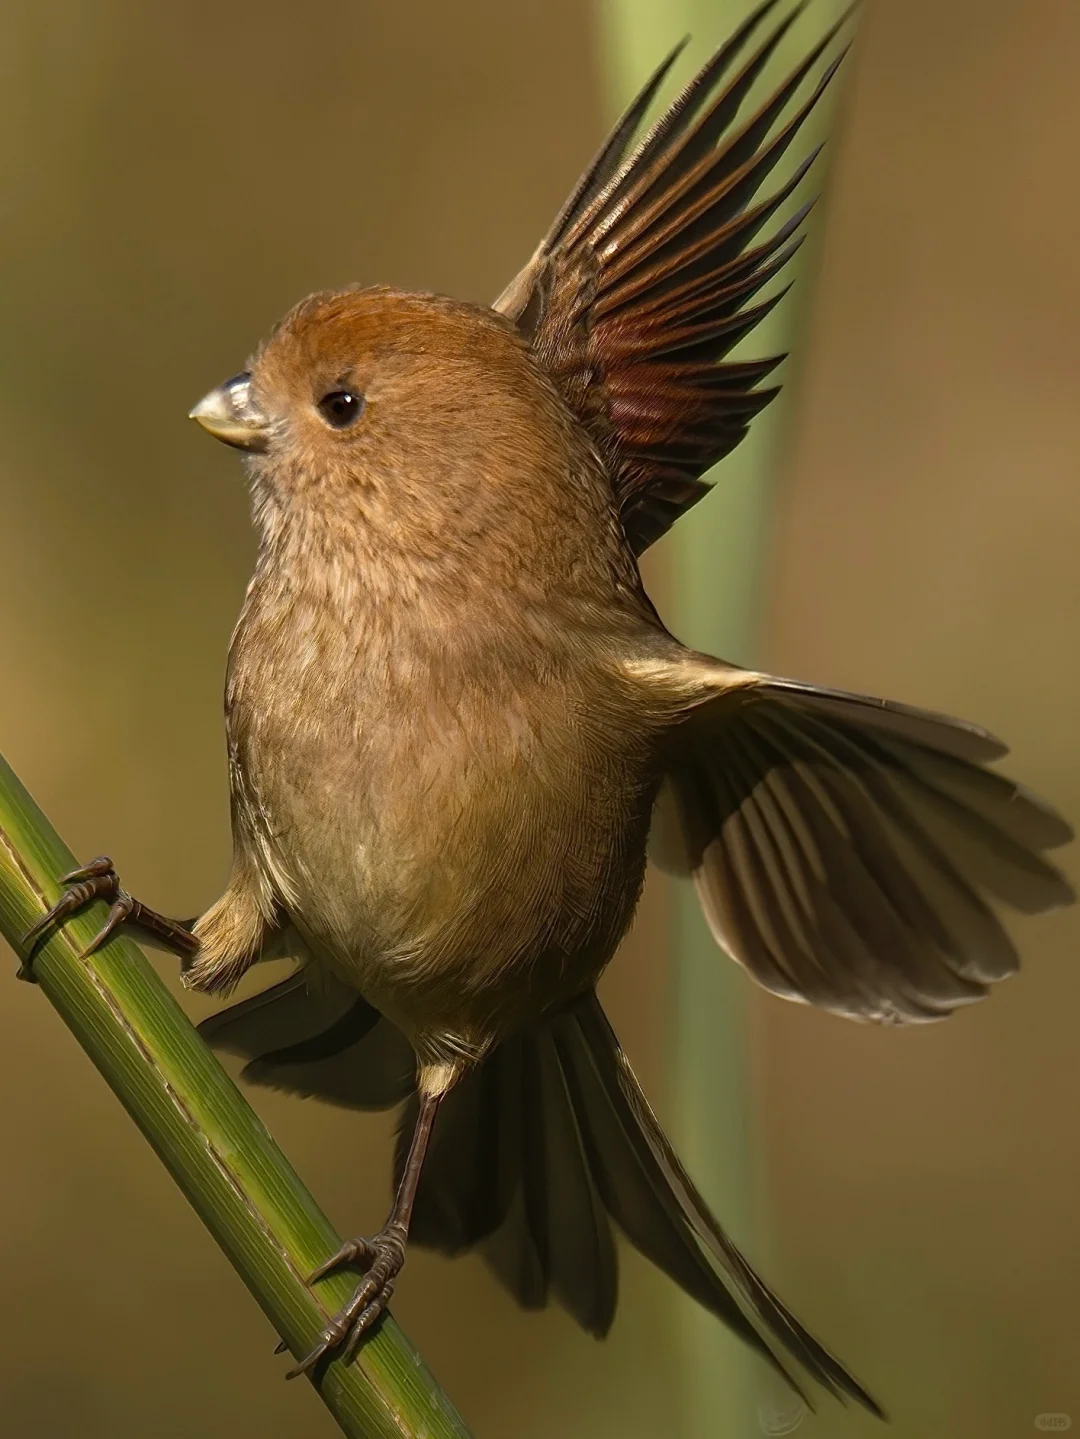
<point x="208" y="1136"/>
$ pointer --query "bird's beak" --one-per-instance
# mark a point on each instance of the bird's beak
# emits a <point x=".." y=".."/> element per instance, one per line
<point x="230" y="414"/>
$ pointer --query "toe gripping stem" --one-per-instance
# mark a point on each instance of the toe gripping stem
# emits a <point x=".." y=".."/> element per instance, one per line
<point x="99" y="880"/>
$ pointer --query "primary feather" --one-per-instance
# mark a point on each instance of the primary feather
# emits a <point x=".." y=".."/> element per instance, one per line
<point x="644" y="282"/>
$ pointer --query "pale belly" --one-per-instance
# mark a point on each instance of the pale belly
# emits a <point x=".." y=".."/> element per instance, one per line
<point x="464" y="873"/>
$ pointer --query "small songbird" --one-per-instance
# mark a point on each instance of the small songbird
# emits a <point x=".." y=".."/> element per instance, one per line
<point x="452" y="713"/>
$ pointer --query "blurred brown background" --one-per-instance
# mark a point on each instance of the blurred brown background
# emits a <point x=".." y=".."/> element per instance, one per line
<point x="171" y="179"/>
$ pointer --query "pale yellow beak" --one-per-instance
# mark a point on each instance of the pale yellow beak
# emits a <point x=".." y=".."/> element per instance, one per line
<point x="230" y="415"/>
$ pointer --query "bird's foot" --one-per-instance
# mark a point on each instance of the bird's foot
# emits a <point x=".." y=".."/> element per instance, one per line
<point x="99" y="880"/>
<point x="96" y="880"/>
<point x="382" y="1256"/>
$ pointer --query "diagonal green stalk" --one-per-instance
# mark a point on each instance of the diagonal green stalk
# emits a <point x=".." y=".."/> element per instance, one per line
<point x="208" y="1136"/>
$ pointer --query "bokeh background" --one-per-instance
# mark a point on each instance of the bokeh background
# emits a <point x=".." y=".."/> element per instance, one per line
<point x="171" y="179"/>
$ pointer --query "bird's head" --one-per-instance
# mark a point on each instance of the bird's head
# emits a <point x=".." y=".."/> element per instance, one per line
<point x="383" y="399"/>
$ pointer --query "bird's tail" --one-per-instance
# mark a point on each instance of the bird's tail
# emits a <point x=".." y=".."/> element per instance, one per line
<point x="547" y="1142"/>
<point x="535" y="1152"/>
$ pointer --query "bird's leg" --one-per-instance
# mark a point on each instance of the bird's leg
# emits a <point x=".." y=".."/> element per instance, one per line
<point x="382" y="1256"/>
<point x="98" y="880"/>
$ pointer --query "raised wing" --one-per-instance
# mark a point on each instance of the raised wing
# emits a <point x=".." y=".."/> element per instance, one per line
<point x="644" y="282"/>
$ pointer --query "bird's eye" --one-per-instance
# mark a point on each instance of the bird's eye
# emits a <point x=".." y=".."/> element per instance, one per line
<point x="341" y="408"/>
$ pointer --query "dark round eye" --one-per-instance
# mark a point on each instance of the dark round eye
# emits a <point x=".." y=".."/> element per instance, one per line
<point x="341" y="408"/>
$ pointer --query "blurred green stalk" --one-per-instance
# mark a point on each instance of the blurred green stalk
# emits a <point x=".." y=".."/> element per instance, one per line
<point x="208" y="1136"/>
<point x="714" y="559"/>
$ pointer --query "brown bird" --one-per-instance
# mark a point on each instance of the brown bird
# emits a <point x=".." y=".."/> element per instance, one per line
<point x="452" y="711"/>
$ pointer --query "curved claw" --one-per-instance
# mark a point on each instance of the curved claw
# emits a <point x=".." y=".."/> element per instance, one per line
<point x="97" y="868"/>
<point x="309" y="1361"/>
<point x="65" y="905"/>
<point x="119" y="911"/>
<point x="353" y="1251"/>
<point x="332" y="1336"/>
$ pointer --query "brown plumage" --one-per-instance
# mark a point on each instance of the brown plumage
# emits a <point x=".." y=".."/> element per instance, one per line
<point x="452" y="710"/>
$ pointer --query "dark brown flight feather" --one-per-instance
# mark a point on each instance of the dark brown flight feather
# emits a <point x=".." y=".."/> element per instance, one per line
<point x="644" y="282"/>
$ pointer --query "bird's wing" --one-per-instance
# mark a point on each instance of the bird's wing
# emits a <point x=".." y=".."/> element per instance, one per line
<point x="845" y="848"/>
<point x="645" y="280"/>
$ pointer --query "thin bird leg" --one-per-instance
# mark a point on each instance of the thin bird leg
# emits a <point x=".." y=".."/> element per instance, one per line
<point x="382" y="1256"/>
<point x="99" y="880"/>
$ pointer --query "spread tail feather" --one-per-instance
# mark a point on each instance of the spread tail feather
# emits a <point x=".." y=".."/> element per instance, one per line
<point x="546" y="1142"/>
<point x="534" y="1153"/>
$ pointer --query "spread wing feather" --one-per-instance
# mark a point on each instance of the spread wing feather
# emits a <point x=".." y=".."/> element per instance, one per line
<point x="845" y="849"/>
<point x="645" y="280"/>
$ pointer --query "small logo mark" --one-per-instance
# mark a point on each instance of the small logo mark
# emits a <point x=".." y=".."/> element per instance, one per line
<point x="1053" y="1423"/>
<point x="775" y="1420"/>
